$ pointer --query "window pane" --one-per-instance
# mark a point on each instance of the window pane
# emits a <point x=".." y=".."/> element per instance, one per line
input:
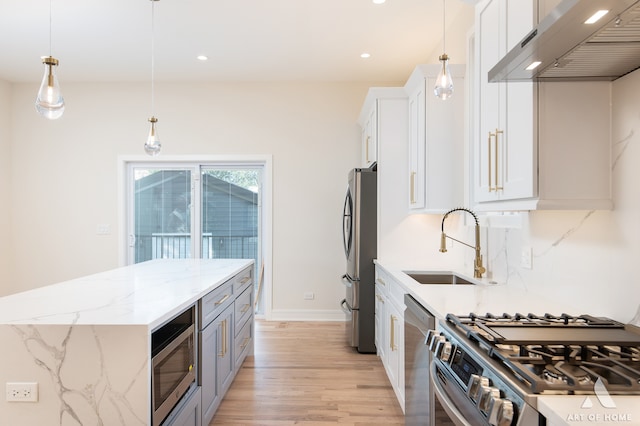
<point x="230" y="213"/>
<point x="162" y="220"/>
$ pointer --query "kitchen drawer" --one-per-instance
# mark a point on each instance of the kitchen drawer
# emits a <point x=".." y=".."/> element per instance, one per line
<point x="243" y="343"/>
<point x="243" y="305"/>
<point x="382" y="281"/>
<point x="242" y="280"/>
<point x="215" y="302"/>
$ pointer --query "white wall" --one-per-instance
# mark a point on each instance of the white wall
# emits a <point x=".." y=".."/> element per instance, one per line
<point x="64" y="174"/>
<point x="5" y="169"/>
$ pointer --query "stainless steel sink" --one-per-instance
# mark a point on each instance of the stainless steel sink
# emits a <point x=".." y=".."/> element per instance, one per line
<point x="437" y="278"/>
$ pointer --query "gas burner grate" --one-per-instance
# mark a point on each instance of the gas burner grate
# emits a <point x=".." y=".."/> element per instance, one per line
<point x="558" y="354"/>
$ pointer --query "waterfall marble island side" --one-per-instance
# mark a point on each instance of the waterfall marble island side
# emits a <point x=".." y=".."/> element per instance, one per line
<point x="87" y="341"/>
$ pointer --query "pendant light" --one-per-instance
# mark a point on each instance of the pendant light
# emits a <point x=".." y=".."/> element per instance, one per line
<point x="152" y="145"/>
<point x="444" y="83"/>
<point x="49" y="102"/>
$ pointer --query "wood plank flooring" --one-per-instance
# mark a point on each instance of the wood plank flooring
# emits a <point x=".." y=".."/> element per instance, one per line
<point x="303" y="373"/>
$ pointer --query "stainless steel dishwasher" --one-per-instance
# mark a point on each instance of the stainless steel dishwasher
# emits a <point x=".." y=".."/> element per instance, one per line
<point x="421" y="406"/>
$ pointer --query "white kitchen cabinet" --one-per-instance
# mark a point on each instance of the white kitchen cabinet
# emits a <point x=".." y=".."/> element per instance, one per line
<point x="535" y="145"/>
<point x="391" y="333"/>
<point x="370" y="137"/>
<point x="380" y="316"/>
<point x="373" y="117"/>
<point x="436" y="141"/>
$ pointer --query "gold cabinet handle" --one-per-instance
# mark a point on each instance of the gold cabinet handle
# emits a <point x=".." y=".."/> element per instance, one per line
<point x="367" y="149"/>
<point x="245" y="342"/>
<point x="245" y="308"/>
<point x="380" y="298"/>
<point x="381" y="281"/>
<point x="245" y="279"/>
<point x="489" y="160"/>
<point x="392" y="340"/>
<point x="223" y="350"/>
<point x="221" y="301"/>
<point x="498" y="132"/>
<point x="493" y="137"/>
<point x="413" y="187"/>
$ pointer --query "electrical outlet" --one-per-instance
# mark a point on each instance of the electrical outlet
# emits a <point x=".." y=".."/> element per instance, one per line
<point x="309" y="296"/>
<point x="22" y="391"/>
<point x="526" y="261"/>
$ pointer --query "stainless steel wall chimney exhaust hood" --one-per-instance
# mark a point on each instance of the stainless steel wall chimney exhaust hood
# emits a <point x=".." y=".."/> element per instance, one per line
<point x="568" y="49"/>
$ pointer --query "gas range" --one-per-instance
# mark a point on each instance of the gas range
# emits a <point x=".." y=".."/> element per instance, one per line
<point x="490" y="368"/>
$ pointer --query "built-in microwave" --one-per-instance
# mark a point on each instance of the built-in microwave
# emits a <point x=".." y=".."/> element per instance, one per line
<point x="172" y="364"/>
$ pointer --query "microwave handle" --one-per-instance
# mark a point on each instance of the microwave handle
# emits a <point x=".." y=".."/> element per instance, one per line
<point x="456" y="416"/>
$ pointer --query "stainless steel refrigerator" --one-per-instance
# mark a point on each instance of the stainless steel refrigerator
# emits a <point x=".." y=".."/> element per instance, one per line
<point x="359" y="233"/>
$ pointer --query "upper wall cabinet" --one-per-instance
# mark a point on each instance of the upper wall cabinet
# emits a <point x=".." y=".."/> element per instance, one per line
<point x="370" y="135"/>
<point x="436" y="141"/>
<point x="373" y="117"/>
<point x="534" y="145"/>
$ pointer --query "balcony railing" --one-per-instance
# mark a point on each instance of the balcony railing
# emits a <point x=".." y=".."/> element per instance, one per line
<point x="178" y="246"/>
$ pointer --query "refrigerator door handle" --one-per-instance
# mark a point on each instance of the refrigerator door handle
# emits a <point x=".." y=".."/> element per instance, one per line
<point x="345" y="306"/>
<point x="346" y="281"/>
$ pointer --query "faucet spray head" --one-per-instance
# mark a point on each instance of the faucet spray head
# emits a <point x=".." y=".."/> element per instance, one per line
<point x="443" y="243"/>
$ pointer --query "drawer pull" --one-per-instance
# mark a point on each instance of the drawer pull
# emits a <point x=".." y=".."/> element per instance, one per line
<point x="245" y="342"/>
<point x="245" y="280"/>
<point x="245" y="308"/>
<point x="221" y="301"/>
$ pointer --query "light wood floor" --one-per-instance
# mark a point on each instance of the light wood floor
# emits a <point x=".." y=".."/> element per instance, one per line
<point x="303" y="373"/>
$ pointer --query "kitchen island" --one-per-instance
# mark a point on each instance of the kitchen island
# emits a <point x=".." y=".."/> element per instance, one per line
<point x="87" y="342"/>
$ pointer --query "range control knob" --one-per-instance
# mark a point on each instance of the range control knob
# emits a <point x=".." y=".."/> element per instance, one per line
<point x="434" y="342"/>
<point x="488" y="396"/>
<point x="502" y="413"/>
<point x="430" y="335"/>
<point x="443" y="350"/>
<point x="475" y="386"/>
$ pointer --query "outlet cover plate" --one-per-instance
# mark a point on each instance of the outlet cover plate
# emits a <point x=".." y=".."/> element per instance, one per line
<point x="22" y="391"/>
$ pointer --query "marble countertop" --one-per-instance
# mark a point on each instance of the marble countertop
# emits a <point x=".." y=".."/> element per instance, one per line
<point x="484" y="297"/>
<point x="147" y="293"/>
<point x="560" y="410"/>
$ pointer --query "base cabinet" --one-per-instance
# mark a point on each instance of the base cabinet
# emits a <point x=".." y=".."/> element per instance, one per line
<point x="225" y="339"/>
<point x="390" y="330"/>
<point x="190" y="413"/>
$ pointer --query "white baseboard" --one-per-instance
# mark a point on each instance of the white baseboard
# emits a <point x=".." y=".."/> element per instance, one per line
<point x="306" y="315"/>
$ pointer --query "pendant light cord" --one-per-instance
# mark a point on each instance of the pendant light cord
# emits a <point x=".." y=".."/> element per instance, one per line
<point x="152" y="55"/>
<point x="444" y="33"/>
<point x="50" y="26"/>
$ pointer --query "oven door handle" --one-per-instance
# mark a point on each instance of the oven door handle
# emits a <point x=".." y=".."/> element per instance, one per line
<point x="448" y="405"/>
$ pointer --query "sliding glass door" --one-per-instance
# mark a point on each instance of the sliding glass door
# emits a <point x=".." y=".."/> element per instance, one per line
<point x="194" y="210"/>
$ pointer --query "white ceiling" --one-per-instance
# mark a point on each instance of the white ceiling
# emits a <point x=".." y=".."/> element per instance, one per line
<point x="245" y="40"/>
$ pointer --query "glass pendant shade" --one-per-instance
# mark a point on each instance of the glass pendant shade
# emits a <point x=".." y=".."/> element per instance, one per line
<point x="152" y="145"/>
<point x="50" y="103"/>
<point x="444" y="83"/>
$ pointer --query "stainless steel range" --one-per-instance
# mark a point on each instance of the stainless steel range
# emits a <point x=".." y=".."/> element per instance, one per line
<point x="488" y="370"/>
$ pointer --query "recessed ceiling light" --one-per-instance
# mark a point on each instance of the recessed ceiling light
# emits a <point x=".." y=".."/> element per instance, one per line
<point x="596" y="17"/>
<point x="202" y="58"/>
<point x="378" y="1"/>
<point x="365" y="55"/>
